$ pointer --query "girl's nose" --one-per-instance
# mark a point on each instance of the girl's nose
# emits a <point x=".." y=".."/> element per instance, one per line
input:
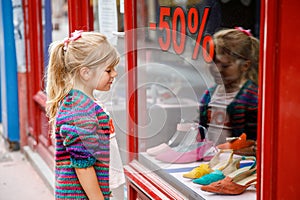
<point x="114" y="73"/>
<point x="215" y="68"/>
<point x="218" y="67"/>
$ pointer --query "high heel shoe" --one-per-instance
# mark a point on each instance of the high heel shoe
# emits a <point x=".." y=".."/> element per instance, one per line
<point x="233" y="184"/>
<point x="215" y="163"/>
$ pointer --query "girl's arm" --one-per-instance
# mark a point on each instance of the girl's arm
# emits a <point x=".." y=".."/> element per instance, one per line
<point x="89" y="182"/>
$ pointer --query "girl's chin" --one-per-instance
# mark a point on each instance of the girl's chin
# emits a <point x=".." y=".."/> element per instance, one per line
<point x="107" y="88"/>
<point x="104" y="89"/>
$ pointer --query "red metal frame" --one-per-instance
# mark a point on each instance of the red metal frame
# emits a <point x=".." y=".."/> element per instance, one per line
<point x="155" y="180"/>
<point x="145" y="187"/>
<point x="288" y="140"/>
<point x="34" y="60"/>
<point x="280" y="101"/>
<point x="35" y="122"/>
<point x="80" y="14"/>
<point x="268" y="101"/>
<point x="130" y="25"/>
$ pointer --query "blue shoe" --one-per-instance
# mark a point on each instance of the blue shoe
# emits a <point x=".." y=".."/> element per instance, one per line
<point x="210" y="178"/>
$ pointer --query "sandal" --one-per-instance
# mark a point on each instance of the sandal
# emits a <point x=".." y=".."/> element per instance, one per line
<point x="217" y="175"/>
<point x="214" y="164"/>
<point x="233" y="185"/>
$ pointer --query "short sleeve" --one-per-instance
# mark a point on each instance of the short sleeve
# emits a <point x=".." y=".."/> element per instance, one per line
<point x="81" y="143"/>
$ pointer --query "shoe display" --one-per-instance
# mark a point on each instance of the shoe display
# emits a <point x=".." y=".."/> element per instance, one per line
<point x="215" y="163"/>
<point x="233" y="185"/>
<point x="187" y="154"/>
<point x="224" y="173"/>
<point x="237" y="143"/>
<point x="219" y="175"/>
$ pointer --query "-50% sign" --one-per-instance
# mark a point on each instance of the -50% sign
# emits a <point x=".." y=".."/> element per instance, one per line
<point x="193" y="25"/>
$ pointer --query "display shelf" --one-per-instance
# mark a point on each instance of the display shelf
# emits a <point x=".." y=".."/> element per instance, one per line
<point x="172" y="173"/>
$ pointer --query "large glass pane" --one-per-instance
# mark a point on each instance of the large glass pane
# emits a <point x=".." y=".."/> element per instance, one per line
<point x="174" y="72"/>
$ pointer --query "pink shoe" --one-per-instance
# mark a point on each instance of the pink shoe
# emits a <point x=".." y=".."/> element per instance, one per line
<point x="154" y="151"/>
<point x="187" y="134"/>
<point x="186" y="154"/>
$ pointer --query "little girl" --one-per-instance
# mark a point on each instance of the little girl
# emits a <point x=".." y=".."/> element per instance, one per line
<point x="229" y="108"/>
<point x="79" y="65"/>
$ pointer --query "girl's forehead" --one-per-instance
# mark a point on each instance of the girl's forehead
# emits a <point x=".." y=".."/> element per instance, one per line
<point x="223" y="58"/>
<point x="111" y="62"/>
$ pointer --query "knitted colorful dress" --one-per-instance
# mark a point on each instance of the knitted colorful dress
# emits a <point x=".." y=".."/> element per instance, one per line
<point x="242" y="110"/>
<point x="82" y="140"/>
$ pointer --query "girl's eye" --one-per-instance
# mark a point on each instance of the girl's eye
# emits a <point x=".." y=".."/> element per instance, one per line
<point x="108" y="70"/>
<point x="222" y="65"/>
<point x="225" y="66"/>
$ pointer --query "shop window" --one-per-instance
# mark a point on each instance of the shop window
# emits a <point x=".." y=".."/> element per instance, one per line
<point x="173" y="75"/>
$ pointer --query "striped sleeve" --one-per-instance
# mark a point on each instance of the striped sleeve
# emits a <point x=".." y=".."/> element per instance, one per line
<point x="81" y="144"/>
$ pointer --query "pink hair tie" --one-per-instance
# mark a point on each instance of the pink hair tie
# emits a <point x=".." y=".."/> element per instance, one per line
<point x="74" y="36"/>
<point x="247" y="32"/>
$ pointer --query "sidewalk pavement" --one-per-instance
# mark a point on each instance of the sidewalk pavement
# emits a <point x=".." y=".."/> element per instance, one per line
<point x="19" y="180"/>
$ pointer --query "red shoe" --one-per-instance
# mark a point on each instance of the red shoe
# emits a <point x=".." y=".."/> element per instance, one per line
<point x="238" y="143"/>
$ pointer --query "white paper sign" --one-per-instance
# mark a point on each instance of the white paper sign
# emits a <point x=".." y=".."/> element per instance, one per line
<point x="121" y="6"/>
<point x="108" y="19"/>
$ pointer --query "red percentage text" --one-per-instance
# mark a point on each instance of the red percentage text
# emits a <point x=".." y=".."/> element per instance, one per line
<point x="175" y="30"/>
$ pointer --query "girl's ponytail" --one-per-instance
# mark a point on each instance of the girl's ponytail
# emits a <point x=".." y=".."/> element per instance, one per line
<point x="58" y="80"/>
<point x="254" y="58"/>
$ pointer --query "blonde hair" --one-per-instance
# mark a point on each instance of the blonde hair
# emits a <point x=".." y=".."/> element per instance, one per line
<point x="240" y="46"/>
<point x="90" y="50"/>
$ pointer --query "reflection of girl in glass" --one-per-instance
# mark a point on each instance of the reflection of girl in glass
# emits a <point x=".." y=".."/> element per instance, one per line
<point x="229" y="108"/>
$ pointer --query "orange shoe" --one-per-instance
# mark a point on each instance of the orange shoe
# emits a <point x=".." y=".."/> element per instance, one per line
<point x="233" y="184"/>
<point x="230" y="186"/>
<point x="238" y="143"/>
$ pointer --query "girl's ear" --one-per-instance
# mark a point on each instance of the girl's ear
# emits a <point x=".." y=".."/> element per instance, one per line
<point x="246" y="65"/>
<point x="84" y="73"/>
